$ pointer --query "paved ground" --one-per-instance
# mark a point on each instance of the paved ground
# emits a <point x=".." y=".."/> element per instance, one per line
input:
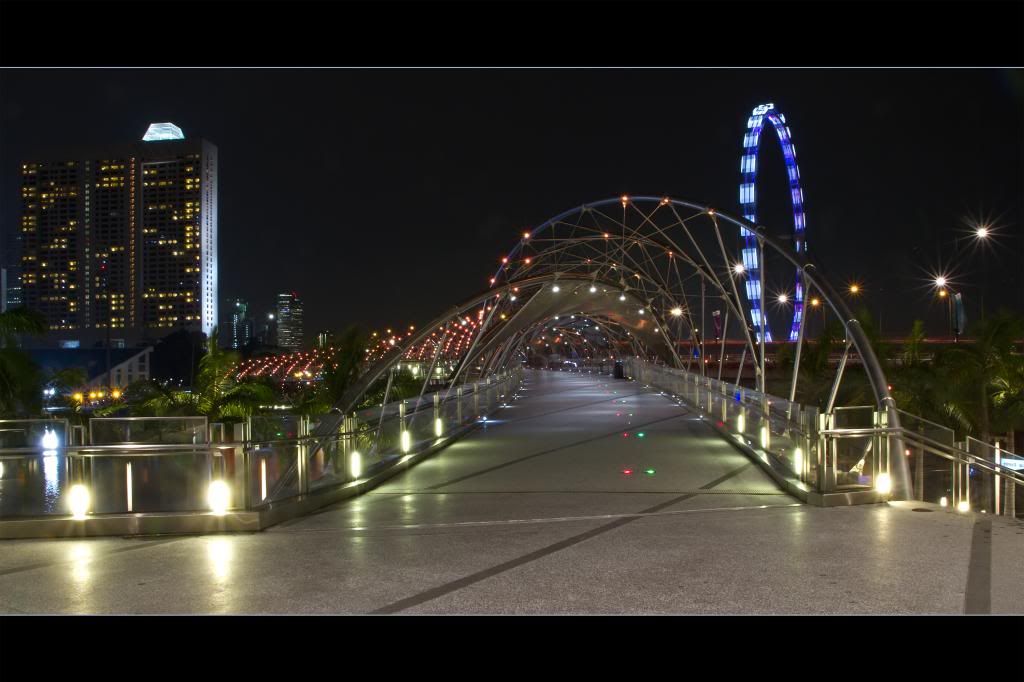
<point x="533" y="514"/>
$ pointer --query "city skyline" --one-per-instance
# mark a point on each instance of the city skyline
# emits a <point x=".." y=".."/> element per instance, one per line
<point x="119" y="240"/>
<point x="296" y="199"/>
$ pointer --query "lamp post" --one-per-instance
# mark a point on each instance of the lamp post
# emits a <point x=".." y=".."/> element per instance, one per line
<point x="816" y="303"/>
<point x="946" y="292"/>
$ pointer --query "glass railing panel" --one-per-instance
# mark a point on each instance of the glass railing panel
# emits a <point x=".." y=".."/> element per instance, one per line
<point x="854" y="462"/>
<point x="44" y="434"/>
<point x="273" y="473"/>
<point x="33" y="483"/>
<point x="148" y="430"/>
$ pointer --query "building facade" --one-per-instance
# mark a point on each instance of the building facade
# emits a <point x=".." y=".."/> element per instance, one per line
<point x="238" y="327"/>
<point x="289" y="321"/>
<point x="122" y="243"/>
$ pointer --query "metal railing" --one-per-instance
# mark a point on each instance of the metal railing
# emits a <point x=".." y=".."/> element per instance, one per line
<point x="849" y="450"/>
<point x="161" y="466"/>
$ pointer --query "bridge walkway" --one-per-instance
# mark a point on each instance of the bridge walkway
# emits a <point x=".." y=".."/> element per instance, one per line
<point x="587" y="495"/>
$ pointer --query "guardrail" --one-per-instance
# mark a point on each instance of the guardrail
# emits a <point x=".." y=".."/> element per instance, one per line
<point x="60" y="487"/>
<point x="844" y="457"/>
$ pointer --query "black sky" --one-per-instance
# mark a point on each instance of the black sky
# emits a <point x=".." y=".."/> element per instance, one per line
<point x="384" y="196"/>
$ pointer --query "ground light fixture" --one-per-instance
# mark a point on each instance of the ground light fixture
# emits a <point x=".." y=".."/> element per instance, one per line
<point x="883" y="484"/>
<point x="355" y="464"/>
<point x="963" y="506"/>
<point x="218" y="496"/>
<point x="406" y="441"/>
<point x="943" y="501"/>
<point x="78" y="501"/>
<point x="438" y="427"/>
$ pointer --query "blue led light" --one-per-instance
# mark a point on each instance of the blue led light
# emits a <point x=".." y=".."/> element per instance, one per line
<point x="748" y="202"/>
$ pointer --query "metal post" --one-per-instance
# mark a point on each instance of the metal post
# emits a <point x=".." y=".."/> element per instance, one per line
<point x="996" y="479"/>
<point x="743" y="358"/>
<point x="721" y="352"/>
<point x="458" y="404"/>
<point x="763" y="316"/>
<point x="839" y="377"/>
<point x="301" y="463"/>
<point x="704" y="329"/>
<point x="919" y="468"/>
<point x="796" y="361"/>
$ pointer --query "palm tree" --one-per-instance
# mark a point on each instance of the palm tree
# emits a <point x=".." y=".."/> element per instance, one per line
<point x="20" y="377"/>
<point x="215" y="393"/>
<point x="340" y="370"/>
<point x="980" y="379"/>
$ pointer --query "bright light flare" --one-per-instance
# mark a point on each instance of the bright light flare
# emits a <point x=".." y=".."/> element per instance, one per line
<point x="78" y="501"/>
<point x="218" y="496"/>
<point x="355" y="464"/>
<point x="739" y="268"/>
<point x="677" y="311"/>
<point x="963" y="506"/>
<point x="49" y="440"/>
<point x="883" y="484"/>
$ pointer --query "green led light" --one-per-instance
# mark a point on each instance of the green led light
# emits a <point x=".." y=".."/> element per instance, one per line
<point x="650" y="472"/>
<point x="640" y="435"/>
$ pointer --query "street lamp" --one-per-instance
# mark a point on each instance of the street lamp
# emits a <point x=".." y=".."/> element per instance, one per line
<point x="942" y="284"/>
<point x="816" y="303"/>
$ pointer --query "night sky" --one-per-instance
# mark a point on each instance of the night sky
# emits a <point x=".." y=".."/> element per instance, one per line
<point x="383" y="197"/>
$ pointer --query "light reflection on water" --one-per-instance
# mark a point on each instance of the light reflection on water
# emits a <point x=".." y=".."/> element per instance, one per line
<point x="51" y="479"/>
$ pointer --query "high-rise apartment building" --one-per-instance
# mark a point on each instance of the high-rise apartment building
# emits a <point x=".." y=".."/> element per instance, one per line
<point x="122" y="242"/>
<point x="289" y="321"/>
<point x="239" y="327"/>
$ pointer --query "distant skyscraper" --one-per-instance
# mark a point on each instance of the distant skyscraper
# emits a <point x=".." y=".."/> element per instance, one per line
<point x="239" y="325"/>
<point x="122" y="242"/>
<point x="289" y="321"/>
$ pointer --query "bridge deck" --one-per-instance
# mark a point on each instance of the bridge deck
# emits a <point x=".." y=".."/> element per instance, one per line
<point x="533" y="514"/>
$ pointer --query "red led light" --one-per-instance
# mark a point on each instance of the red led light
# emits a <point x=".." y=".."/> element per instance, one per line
<point x="627" y="471"/>
<point x="625" y="435"/>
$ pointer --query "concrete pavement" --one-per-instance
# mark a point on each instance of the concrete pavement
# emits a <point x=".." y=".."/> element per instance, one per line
<point x="536" y="513"/>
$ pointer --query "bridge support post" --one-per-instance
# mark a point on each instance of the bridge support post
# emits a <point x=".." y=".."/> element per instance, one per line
<point x="302" y="456"/>
<point x="826" y="455"/>
<point x="458" y="404"/>
<point x="725" y="402"/>
<point x="438" y="423"/>
<point x="919" y="468"/>
<point x="476" y="400"/>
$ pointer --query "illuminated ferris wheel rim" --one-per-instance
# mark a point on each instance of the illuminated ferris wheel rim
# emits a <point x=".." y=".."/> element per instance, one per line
<point x="748" y="202"/>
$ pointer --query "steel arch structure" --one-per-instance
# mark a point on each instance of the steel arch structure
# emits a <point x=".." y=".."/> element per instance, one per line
<point x="643" y="270"/>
